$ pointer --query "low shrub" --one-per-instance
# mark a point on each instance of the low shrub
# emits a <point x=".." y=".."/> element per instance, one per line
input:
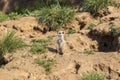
<point x="12" y="15"/>
<point x="93" y="6"/>
<point x="55" y="16"/>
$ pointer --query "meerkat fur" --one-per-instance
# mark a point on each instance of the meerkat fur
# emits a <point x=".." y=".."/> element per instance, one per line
<point x="60" y="43"/>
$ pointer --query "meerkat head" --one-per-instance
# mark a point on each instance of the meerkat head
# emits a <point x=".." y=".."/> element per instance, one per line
<point x="61" y="34"/>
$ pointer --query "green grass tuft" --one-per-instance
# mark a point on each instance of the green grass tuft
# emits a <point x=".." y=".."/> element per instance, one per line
<point x="71" y="31"/>
<point x="89" y="52"/>
<point x="38" y="49"/>
<point x="47" y="64"/>
<point x="93" y="76"/>
<point x="39" y="45"/>
<point x="3" y="17"/>
<point x="10" y="43"/>
<point x="91" y="26"/>
<point x="14" y="15"/>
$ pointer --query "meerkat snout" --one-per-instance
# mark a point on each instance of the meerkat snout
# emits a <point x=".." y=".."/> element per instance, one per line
<point x="61" y="43"/>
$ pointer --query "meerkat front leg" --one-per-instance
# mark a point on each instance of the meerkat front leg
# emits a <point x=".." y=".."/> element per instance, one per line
<point x="57" y="48"/>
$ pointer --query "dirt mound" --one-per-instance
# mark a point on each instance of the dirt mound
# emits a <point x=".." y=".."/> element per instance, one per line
<point x="111" y="17"/>
<point x="105" y="29"/>
<point x="82" y="21"/>
<point x="21" y="24"/>
<point x="109" y="10"/>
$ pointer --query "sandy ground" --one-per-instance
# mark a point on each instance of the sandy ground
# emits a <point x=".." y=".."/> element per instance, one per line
<point x="73" y="64"/>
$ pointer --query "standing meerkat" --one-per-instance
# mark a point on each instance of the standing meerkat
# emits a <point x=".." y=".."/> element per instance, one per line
<point x="61" y="43"/>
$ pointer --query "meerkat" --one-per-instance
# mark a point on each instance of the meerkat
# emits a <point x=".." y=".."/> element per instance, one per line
<point x="61" y="43"/>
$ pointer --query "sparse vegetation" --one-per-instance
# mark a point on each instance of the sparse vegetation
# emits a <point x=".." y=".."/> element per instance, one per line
<point x="12" y="15"/>
<point x="71" y="31"/>
<point x="49" y="38"/>
<point x="3" y="17"/>
<point x="93" y="76"/>
<point x="38" y="49"/>
<point x="47" y="64"/>
<point x="9" y="43"/>
<point x="55" y="16"/>
<point x="89" y="52"/>
<point x="42" y="41"/>
<point x="39" y="45"/>
<point x="115" y="31"/>
<point x="93" y="6"/>
<point x="91" y="26"/>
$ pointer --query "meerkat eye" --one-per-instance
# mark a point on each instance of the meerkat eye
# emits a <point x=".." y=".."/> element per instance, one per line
<point x="59" y="33"/>
<point x="62" y="32"/>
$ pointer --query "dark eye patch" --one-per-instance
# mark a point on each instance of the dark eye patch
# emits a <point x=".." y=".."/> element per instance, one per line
<point x="59" y="33"/>
<point x="62" y="32"/>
